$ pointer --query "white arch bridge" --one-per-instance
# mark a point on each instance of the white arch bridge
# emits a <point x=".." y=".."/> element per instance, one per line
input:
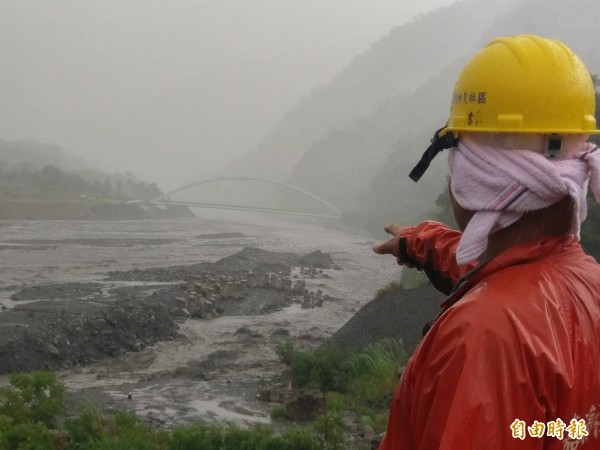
<point x="331" y="212"/>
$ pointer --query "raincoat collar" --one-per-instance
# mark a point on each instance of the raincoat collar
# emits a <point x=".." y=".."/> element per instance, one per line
<point x="513" y="256"/>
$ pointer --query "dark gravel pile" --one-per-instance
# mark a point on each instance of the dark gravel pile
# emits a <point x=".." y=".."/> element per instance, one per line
<point x="318" y="260"/>
<point x="248" y="259"/>
<point x="56" y="334"/>
<point x="159" y="274"/>
<point x="258" y="301"/>
<point x="62" y="333"/>
<point x="53" y="291"/>
<point x="396" y="314"/>
<point x="70" y="324"/>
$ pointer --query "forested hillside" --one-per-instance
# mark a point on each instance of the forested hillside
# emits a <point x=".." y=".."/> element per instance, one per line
<point x="353" y="140"/>
<point x="30" y="171"/>
<point x="396" y="65"/>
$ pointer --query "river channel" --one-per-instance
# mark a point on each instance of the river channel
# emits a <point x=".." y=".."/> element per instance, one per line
<point x="212" y="371"/>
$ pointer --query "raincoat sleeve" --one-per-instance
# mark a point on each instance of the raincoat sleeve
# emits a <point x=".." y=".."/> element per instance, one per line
<point x="431" y="246"/>
<point x="465" y="388"/>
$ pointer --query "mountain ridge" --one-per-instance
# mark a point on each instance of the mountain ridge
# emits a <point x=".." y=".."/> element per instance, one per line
<point x="365" y="83"/>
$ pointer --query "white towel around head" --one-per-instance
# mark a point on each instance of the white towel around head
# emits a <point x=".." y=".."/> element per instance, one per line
<point x="500" y="185"/>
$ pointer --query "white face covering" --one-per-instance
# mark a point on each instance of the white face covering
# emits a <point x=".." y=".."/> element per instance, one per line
<point x="501" y="184"/>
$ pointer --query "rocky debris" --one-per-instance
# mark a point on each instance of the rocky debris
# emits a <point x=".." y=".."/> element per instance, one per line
<point x="399" y="314"/>
<point x="210" y="288"/>
<point x="257" y="260"/>
<point x="180" y="312"/>
<point x="367" y="433"/>
<point x="249" y="259"/>
<point x="56" y="334"/>
<point x="299" y="287"/>
<point x="158" y="274"/>
<point x="247" y="332"/>
<point x="205" y="369"/>
<point x="198" y="302"/>
<point x="134" y="291"/>
<point x="312" y="299"/>
<point x="308" y="272"/>
<point x="310" y="337"/>
<point x="258" y="301"/>
<point x="277" y="394"/>
<point x="301" y="405"/>
<point x="207" y="294"/>
<point x="317" y="259"/>
<point x="376" y="441"/>
<point x="306" y="407"/>
<point x="71" y="291"/>
<point x="280" y="333"/>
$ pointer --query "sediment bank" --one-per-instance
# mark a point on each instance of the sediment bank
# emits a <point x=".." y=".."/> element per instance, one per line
<point x="87" y="211"/>
<point x="60" y="325"/>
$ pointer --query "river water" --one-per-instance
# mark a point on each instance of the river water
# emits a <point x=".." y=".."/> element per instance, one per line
<point x="156" y="382"/>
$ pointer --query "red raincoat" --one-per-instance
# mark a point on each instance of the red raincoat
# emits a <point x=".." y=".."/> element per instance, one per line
<point x="518" y="341"/>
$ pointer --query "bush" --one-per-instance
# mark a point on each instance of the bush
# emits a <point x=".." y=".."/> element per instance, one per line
<point x="392" y="286"/>
<point x="319" y="370"/>
<point x="332" y="431"/>
<point x="214" y="437"/>
<point x="366" y="374"/>
<point x="278" y="413"/>
<point x="123" y="430"/>
<point x="87" y="427"/>
<point x="31" y="413"/>
<point x="196" y="437"/>
<point x="372" y="373"/>
<point x="32" y="398"/>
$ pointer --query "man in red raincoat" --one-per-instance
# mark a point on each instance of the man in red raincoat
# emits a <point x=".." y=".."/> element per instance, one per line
<point x="513" y="359"/>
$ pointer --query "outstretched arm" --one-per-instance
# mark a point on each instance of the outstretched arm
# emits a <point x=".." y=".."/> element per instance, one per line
<point x="429" y="246"/>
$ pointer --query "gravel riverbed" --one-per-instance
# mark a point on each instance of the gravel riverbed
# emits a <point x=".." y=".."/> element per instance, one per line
<point x="116" y="307"/>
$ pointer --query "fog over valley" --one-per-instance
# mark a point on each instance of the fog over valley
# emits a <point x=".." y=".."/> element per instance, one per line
<point x="338" y="99"/>
<point x="173" y="90"/>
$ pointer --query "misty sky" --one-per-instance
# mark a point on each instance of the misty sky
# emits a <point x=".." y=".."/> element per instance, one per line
<point x="172" y="90"/>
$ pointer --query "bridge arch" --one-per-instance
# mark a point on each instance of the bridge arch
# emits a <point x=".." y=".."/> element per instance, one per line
<point x="164" y="199"/>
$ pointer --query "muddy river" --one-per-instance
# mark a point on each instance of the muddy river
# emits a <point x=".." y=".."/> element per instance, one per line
<point x="214" y="368"/>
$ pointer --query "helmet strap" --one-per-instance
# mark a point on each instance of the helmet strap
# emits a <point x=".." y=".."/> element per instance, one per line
<point x="438" y="144"/>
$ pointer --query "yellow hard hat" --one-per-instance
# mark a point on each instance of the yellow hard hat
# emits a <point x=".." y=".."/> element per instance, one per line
<point x="524" y="84"/>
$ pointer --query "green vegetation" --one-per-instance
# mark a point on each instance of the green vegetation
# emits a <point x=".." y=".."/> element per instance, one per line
<point x="590" y="229"/>
<point x="32" y="417"/>
<point x="358" y="381"/>
<point x="278" y="413"/>
<point x="392" y="286"/>
<point x="51" y="184"/>
<point x="411" y="279"/>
